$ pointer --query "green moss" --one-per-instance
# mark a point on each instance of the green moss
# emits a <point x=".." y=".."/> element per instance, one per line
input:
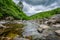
<point x="11" y="35"/>
<point x="12" y="30"/>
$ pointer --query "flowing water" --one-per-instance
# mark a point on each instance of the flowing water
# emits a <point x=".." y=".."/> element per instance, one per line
<point x="30" y="29"/>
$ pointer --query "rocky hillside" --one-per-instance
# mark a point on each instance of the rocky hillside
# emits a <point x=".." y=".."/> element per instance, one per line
<point x="9" y="8"/>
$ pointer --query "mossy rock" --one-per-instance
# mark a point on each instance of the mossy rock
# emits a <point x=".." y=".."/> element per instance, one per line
<point x="11" y="35"/>
<point x="13" y="30"/>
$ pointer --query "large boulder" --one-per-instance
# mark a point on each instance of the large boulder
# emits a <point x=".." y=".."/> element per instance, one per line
<point x="57" y="32"/>
<point x="42" y="27"/>
<point x="55" y="27"/>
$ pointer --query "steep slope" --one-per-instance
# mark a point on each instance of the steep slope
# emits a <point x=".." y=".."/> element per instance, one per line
<point x="46" y="14"/>
<point x="9" y="8"/>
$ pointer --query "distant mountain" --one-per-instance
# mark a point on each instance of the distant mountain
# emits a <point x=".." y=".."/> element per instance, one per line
<point x="46" y="14"/>
<point x="9" y="8"/>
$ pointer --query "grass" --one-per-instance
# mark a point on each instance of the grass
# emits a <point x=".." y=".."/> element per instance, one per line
<point x="46" y="14"/>
<point x="9" y="8"/>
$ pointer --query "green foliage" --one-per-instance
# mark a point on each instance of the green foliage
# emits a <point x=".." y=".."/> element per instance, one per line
<point x="9" y="8"/>
<point x="1" y="15"/>
<point x="46" y="14"/>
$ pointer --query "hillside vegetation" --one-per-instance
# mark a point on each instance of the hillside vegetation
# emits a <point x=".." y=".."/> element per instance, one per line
<point x="46" y="14"/>
<point x="9" y="8"/>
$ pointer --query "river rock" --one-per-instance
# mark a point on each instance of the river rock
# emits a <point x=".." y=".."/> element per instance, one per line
<point x="57" y="32"/>
<point x="40" y="30"/>
<point x="54" y="19"/>
<point x="21" y="39"/>
<point x="31" y="29"/>
<point x="2" y="26"/>
<point x="9" y="18"/>
<point x="44" y="26"/>
<point x="57" y="25"/>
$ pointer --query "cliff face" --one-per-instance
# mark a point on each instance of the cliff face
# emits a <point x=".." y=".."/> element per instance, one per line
<point x="9" y="8"/>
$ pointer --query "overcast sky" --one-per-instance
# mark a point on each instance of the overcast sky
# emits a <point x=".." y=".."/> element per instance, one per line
<point x="34" y="6"/>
